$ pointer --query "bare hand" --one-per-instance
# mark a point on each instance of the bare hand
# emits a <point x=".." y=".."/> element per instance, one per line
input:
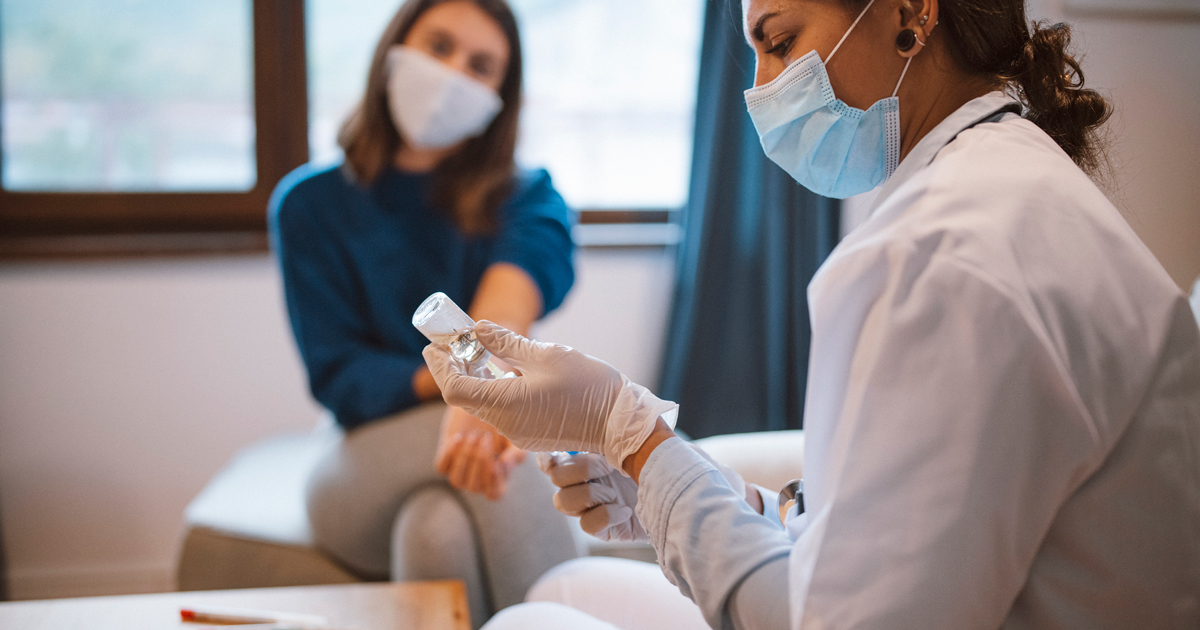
<point x="474" y="457"/>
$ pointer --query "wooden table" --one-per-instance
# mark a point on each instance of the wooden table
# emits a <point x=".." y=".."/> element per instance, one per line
<point x="376" y="606"/>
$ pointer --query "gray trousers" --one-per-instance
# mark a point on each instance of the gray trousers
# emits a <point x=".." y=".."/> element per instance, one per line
<point x="379" y="507"/>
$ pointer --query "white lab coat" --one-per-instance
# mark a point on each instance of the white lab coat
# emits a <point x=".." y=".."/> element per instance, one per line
<point x="1002" y="421"/>
<point x="1003" y="416"/>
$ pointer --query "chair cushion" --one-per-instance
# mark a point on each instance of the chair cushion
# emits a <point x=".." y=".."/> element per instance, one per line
<point x="249" y="527"/>
<point x="260" y="494"/>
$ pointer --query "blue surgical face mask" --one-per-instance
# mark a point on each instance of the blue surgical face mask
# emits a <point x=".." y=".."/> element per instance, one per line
<point x="827" y="146"/>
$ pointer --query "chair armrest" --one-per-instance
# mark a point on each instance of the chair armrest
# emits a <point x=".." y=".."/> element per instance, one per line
<point x="769" y="459"/>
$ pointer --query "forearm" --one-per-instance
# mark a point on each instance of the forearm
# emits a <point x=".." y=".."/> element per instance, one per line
<point x="708" y="540"/>
<point x="506" y="295"/>
<point x="423" y="385"/>
<point x="634" y="463"/>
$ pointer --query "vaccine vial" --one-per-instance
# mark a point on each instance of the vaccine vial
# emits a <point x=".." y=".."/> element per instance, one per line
<point x="445" y="324"/>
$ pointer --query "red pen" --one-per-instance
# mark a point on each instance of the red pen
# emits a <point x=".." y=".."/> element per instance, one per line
<point x="220" y="616"/>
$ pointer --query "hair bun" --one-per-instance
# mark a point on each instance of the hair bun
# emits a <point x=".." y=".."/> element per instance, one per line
<point x="1052" y="86"/>
<point x="995" y="39"/>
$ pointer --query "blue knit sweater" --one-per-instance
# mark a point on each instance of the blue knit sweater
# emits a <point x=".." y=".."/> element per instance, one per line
<point x="357" y="261"/>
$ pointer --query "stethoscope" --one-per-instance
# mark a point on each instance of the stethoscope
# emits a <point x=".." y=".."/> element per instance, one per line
<point x="791" y="500"/>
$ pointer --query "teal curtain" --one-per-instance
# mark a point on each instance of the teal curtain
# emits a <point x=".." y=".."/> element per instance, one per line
<point x="736" y="356"/>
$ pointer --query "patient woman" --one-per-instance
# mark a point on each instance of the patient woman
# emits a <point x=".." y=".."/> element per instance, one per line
<point x="427" y="199"/>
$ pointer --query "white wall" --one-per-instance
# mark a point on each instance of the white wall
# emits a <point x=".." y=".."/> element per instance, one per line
<point x="618" y="310"/>
<point x="125" y="385"/>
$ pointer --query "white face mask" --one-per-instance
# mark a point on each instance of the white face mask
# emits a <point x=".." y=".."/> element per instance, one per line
<point x="434" y="106"/>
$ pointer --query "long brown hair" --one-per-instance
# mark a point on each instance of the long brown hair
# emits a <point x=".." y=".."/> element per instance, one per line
<point x="994" y="38"/>
<point x="470" y="184"/>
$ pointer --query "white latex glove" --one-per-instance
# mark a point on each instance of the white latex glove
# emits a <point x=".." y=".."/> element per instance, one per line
<point x="564" y="400"/>
<point x="601" y="497"/>
<point x="604" y="499"/>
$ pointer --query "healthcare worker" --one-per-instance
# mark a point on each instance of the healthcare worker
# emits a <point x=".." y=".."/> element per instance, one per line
<point x="1003" y="409"/>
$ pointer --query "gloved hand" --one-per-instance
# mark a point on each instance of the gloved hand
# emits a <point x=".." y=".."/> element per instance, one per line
<point x="564" y="400"/>
<point x="603" y="498"/>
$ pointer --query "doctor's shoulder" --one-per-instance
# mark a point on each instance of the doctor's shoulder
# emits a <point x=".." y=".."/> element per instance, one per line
<point x="1006" y="197"/>
<point x="1010" y="184"/>
<point x="1006" y="200"/>
<point x="1013" y="163"/>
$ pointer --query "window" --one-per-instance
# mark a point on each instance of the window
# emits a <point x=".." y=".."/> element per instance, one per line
<point x="154" y="117"/>
<point x="128" y="125"/>
<point x="128" y="95"/>
<point x="610" y="93"/>
<point x="610" y="88"/>
<point x="342" y="35"/>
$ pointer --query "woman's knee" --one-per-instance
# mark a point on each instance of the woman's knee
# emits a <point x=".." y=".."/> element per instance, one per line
<point x="521" y="535"/>
<point x="432" y="534"/>
<point x="356" y="488"/>
<point x="434" y="539"/>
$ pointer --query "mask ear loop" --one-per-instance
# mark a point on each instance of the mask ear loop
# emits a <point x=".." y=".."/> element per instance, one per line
<point x="850" y="30"/>
<point x="909" y="62"/>
<point x="902" y="73"/>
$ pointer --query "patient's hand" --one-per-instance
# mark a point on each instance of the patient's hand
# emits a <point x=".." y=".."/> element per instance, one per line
<point x="473" y="456"/>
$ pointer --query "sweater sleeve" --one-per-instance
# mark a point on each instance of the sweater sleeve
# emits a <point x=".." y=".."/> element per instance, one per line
<point x="349" y="372"/>
<point x="535" y="235"/>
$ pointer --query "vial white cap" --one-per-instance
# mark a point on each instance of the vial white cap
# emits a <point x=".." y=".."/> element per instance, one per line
<point x="439" y="316"/>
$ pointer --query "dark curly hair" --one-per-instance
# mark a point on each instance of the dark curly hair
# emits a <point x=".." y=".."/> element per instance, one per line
<point x="995" y="38"/>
